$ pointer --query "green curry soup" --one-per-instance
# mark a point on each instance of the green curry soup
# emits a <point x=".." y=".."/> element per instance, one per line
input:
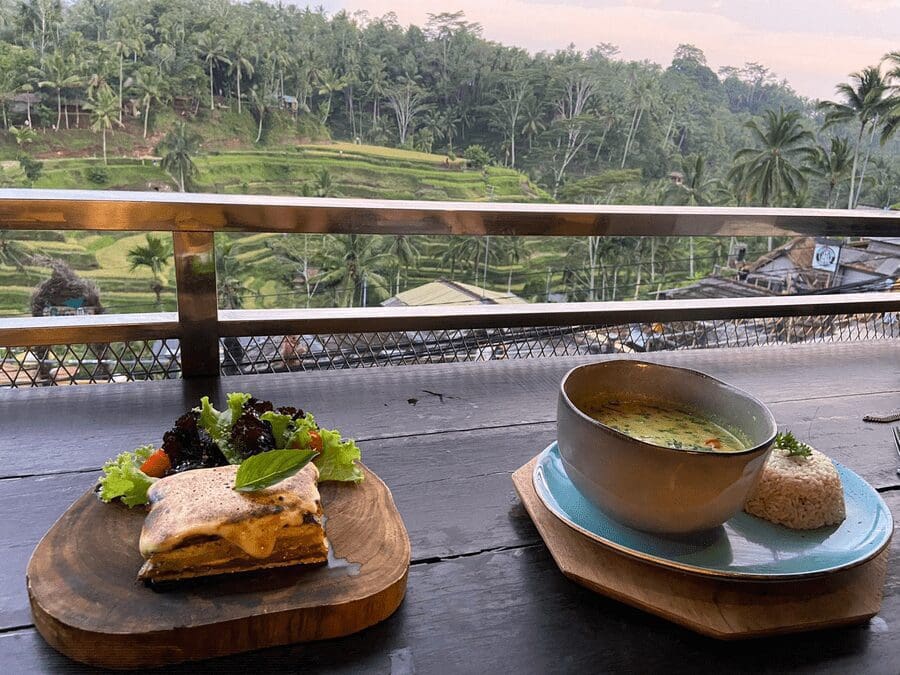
<point x="660" y="424"/>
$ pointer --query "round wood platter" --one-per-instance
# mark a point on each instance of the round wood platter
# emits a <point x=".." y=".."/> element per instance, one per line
<point x="87" y="602"/>
<point x="721" y="608"/>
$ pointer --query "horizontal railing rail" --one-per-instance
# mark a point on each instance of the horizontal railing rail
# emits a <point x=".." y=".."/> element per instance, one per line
<point x="195" y="218"/>
<point x="27" y="331"/>
<point x="236" y="323"/>
<point x="180" y="212"/>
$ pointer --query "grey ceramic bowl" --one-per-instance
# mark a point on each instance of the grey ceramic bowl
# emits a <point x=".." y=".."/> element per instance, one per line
<point x="651" y="487"/>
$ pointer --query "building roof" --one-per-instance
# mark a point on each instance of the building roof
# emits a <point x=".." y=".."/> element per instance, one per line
<point x="445" y="292"/>
<point x="27" y="97"/>
<point x="799" y="251"/>
<point x="878" y="256"/>
<point x="715" y="287"/>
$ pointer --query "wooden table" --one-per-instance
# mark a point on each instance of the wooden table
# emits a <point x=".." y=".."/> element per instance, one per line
<point x="484" y="595"/>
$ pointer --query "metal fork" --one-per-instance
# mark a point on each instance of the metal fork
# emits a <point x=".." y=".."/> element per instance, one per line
<point x="896" y="432"/>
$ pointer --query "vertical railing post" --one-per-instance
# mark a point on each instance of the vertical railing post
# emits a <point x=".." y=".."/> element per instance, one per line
<point x="195" y="278"/>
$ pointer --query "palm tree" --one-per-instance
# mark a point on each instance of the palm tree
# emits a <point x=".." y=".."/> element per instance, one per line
<point x="885" y="186"/>
<point x="695" y="188"/>
<point x="103" y="106"/>
<point x="462" y="249"/>
<point x="643" y="95"/>
<point x="230" y="275"/>
<point x="258" y="99"/>
<point x="511" y="252"/>
<point x="324" y="184"/>
<point x="353" y="265"/>
<point x="833" y="166"/>
<point x="532" y="121"/>
<point x="865" y="103"/>
<point x="154" y="255"/>
<point x="152" y="87"/>
<point x="178" y="149"/>
<point x="329" y="84"/>
<point x="122" y="47"/>
<point x="892" y="102"/>
<point x="213" y="50"/>
<point x="59" y="73"/>
<point x="376" y="75"/>
<point x="240" y="64"/>
<point x="404" y="251"/>
<point x="772" y="171"/>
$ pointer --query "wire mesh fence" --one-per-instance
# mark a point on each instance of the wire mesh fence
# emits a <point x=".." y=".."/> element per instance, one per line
<point x="289" y="353"/>
<point x="93" y="363"/>
<point x="160" y="359"/>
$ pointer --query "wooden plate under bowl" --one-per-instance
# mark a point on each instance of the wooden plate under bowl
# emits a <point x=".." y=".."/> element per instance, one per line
<point x="87" y="602"/>
<point x="718" y="607"/>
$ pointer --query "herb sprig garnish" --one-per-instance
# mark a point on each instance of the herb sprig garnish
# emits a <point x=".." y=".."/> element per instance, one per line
<point x="268" y="468"/>
<point x="788" y="442"/>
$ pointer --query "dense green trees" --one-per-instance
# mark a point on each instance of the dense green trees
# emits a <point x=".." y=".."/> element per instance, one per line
<point x="564" y="117"/>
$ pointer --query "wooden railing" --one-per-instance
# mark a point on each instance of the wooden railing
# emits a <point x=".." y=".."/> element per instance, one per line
<point x="193" y="220"/>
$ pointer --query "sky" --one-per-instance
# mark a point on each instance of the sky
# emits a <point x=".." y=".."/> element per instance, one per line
<point x="814" y="44"/>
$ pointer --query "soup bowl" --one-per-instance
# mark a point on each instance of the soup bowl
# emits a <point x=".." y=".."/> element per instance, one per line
<point x="652" y="487"/>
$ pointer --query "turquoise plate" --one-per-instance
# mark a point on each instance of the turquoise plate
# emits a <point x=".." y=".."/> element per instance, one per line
<point x="745" y="547"/>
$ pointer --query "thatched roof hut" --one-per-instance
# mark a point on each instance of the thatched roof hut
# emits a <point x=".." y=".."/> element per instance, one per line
<point x="66" y="289"/>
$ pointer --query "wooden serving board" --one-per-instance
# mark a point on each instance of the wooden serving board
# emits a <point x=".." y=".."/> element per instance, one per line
<point x="720" y="608"/>
<point x="88" y="604"/>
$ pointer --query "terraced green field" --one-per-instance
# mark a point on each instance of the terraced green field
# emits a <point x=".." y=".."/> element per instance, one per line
<point x="354" y="171"/>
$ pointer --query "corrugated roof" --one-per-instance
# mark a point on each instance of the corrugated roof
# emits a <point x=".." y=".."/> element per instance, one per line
<point x="799" y="251"/>
<point x="714" y="287"/>
<point x="877" y="255"/>
<point x="444" y="292"/>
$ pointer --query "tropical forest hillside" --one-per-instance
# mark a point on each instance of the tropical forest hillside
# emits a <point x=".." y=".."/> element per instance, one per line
<point x="258" y="98"/>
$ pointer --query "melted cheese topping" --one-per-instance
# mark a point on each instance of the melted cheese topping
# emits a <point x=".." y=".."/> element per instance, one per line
<point x="203" y="503"/>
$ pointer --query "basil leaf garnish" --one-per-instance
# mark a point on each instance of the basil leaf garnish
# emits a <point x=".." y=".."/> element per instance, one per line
<point x="268" y="468"/>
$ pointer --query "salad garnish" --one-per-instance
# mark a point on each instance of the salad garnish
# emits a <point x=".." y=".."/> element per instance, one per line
<point x="248" y="427"/>
<point x="122" y="477"/>
<point x="267" y="469"/>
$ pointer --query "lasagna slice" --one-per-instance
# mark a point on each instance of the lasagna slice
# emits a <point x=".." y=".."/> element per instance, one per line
<point x="199" y="525"/>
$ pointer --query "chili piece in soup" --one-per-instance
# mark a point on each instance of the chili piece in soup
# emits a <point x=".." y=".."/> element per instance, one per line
<point x="657" y="423"/>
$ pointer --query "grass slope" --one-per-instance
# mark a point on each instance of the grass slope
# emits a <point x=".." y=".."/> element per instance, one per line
<point x="230" y="164"/>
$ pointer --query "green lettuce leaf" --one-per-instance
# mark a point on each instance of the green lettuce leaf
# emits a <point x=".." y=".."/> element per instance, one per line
<point x="218" y="423"/>
<point x="123" y="478"/>
<point x="211" y="419"/>
<point x="338" y="458"/>
<point x="299" y="437"/>
<point x="236" y="402"/>
<point x="282" y="427"/>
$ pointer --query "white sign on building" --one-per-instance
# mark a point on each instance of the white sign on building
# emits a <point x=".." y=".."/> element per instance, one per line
<point x="825" y="257"/>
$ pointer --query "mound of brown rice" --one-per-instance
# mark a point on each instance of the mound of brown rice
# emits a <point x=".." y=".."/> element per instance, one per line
<point x="802" y="493"/>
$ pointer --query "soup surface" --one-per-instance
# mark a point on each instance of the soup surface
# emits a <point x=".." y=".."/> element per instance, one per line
<point x="660" y="424"/>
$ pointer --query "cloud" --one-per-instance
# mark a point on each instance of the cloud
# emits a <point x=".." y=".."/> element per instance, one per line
<point x="812" y="62"/>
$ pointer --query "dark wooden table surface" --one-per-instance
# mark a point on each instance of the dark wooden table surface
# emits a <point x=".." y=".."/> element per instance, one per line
<point x="484" y="595"/>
